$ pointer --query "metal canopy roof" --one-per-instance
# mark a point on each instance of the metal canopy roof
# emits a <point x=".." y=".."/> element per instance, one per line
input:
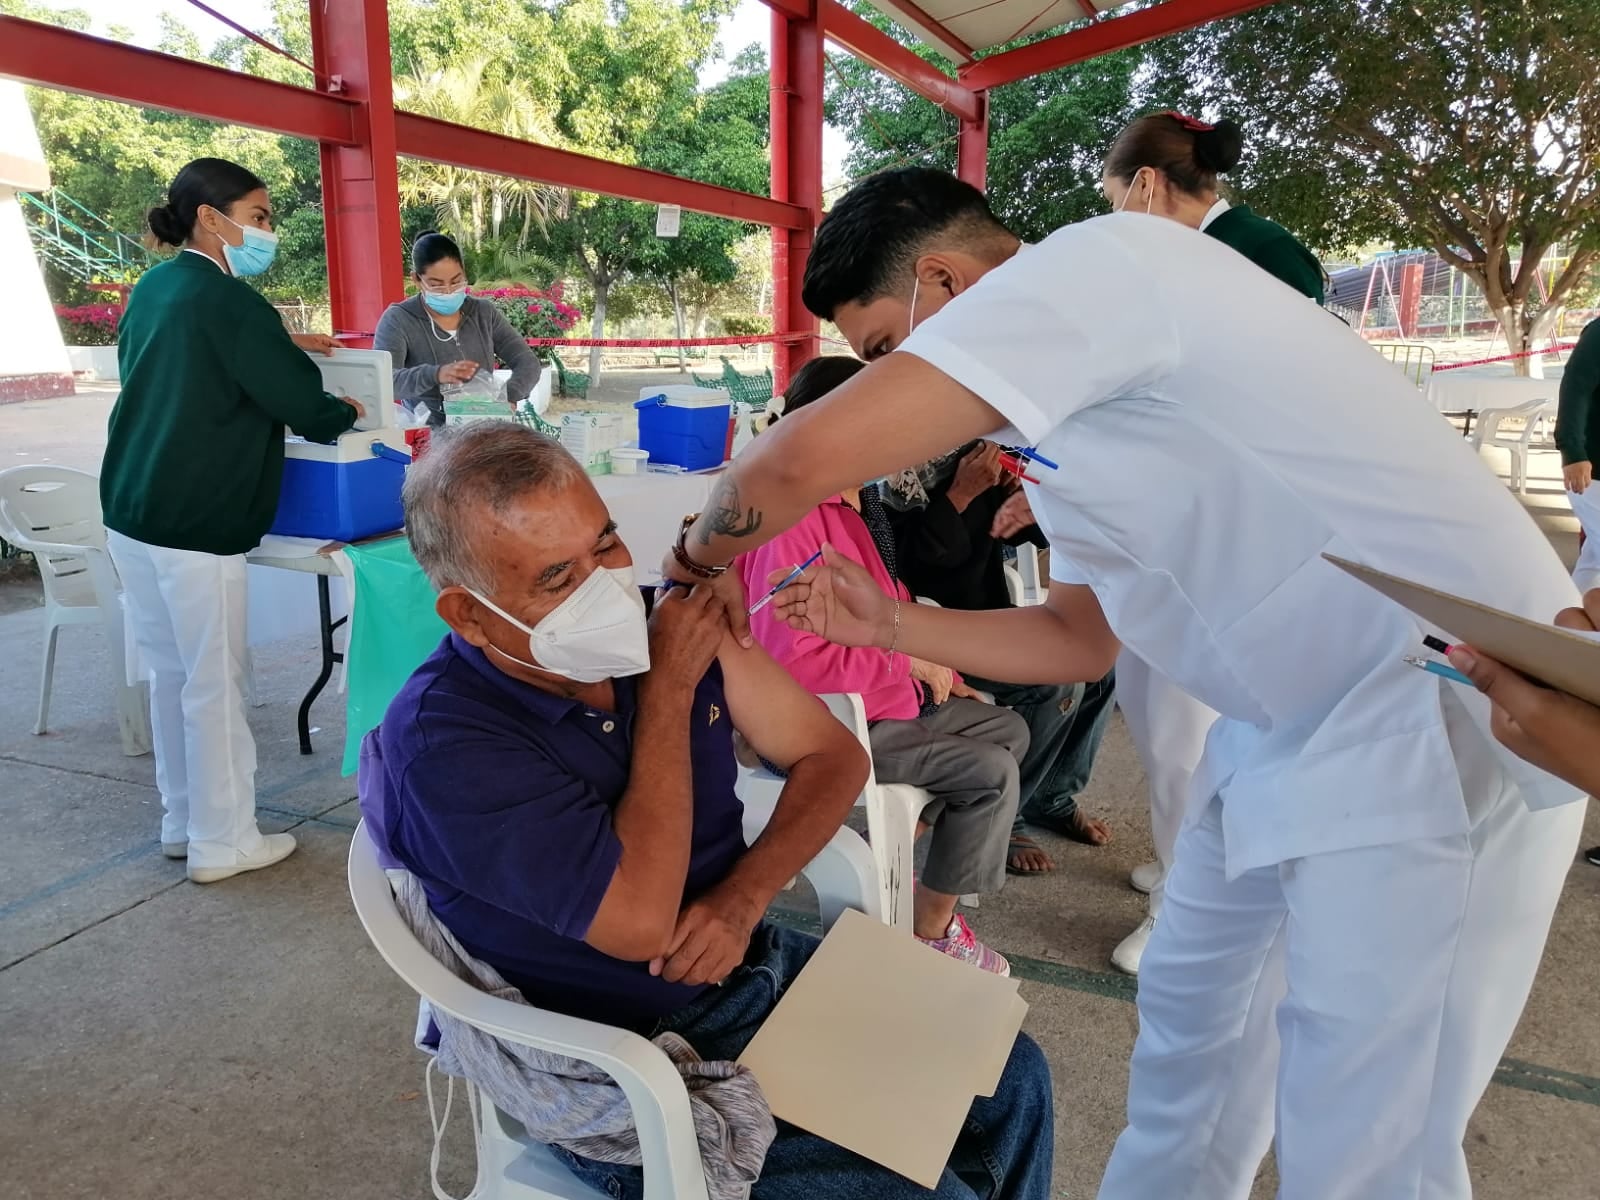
<point x="959" y="29"/>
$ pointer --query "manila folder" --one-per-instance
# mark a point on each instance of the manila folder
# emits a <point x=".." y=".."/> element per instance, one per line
<point x="1561" y="658"/>
<point x="881" y="1045"/>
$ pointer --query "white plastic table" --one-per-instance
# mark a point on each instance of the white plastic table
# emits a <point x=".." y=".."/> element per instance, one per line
<point x="1464" y="392"/>
<point x="648" y="509"/>
<point x="325" y="562"/>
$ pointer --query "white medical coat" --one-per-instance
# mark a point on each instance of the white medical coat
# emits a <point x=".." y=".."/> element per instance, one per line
<point x="1215" y="435"/>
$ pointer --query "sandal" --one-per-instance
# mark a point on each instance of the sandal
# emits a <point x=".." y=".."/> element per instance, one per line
<point x="1021" y="845"/>
<point x="1077" y="827"/>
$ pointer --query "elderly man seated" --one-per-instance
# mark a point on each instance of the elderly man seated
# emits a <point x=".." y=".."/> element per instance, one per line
<point x="559" y="776"/>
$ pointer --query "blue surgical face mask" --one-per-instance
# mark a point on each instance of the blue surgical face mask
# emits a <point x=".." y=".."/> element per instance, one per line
<point x="446" y="303"/>
<point x="255" y="254"/>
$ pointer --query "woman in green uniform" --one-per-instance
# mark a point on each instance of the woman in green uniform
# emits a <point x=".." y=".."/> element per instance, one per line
<point x="1167" y="164"/>
<point x="190" y="481"/>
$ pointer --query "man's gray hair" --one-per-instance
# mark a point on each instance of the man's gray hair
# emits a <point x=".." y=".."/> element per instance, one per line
<point x="468" y="473"/>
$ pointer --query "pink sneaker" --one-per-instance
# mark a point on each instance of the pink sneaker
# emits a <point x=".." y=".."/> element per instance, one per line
<point x="959" y="942"/>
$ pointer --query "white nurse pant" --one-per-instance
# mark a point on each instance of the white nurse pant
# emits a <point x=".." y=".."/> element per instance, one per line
<point x="187" y="611"/>
<point x="1168" y="727"/>
<point x="1407" y="967"/>
<point x="1586" y="507"/>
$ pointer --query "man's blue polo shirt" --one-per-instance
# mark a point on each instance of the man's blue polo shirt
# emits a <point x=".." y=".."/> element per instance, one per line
<point x="498" y="797"/>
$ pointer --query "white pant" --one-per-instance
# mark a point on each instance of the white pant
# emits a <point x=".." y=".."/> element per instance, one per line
<point x="188" y="616"/>
<point x="1404" y="969"/>
<point x="1168" y="727"/>
<point x="1586" y="507"/>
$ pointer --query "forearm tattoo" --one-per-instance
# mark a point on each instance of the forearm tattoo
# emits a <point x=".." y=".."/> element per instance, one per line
<point x="726" y="513"/>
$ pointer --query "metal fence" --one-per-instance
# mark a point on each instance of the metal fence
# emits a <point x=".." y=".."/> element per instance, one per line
<point x="1413" y="358"/>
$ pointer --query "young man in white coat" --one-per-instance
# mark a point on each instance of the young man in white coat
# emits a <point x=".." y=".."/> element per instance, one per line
<point x="1194" y="468"/>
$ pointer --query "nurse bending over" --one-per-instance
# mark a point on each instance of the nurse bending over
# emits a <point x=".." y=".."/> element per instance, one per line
<point x="189" y="484"/>
<point x="1354" y="816"/>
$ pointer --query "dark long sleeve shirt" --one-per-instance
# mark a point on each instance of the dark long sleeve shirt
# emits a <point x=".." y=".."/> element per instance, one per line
<point x="210" y="378"/>
<point x="1578" y="417"/>
<point x="951" y="557"/>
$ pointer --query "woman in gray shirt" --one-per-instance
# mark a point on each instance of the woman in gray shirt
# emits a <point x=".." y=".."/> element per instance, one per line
<point x="442" y="336"/>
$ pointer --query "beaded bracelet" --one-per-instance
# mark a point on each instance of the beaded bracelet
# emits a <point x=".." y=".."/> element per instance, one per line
<point x="680" y="553"/>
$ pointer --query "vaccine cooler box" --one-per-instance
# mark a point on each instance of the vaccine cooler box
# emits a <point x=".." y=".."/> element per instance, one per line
<point x="685" y="426"/>
<point x="351" y="489"/>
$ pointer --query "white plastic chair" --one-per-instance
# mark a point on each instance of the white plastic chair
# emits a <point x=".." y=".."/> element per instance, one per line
<point x="511" y="1166"/>
<point x="844" y="875"/>
<point x="892" y="812"/>
<point x="54" y="514"/>
<point x="1516" y="442"/>
<point x="1023" y="580"/>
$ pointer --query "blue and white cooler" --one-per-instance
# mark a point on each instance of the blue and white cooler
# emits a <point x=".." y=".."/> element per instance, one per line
<point x="350" y="489"/>
<point x="687" y="427"/>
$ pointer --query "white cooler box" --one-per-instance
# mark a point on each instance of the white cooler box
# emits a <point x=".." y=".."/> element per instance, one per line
<point x="351" y="489"/>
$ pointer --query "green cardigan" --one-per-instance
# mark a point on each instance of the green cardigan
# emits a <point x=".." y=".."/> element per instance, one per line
<point x="210" y="377"/>
<point x="1578" y="416"/>
<point x="1271" y="247"/>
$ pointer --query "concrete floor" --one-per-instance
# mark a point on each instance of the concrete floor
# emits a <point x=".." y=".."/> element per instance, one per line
<point x="243" y="1040"/>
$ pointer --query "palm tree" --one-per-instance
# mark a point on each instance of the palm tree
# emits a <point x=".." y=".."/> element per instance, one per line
<point x="471" y="206"/>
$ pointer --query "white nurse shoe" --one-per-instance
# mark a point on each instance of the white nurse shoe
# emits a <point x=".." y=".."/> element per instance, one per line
<point x="1146" y="877"/>
<point x="1126" y="956"/>
<point x="275" y="847"/>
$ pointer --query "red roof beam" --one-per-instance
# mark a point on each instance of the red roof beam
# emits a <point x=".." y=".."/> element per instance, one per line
<point x="48" y="56"/>
<point x="1103" y="37"/>
<point x="870" y="44"/>
<point x="496" y="154"/>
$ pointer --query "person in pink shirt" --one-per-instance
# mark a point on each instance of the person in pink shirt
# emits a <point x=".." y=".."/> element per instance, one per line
<point x="926" y="726"/>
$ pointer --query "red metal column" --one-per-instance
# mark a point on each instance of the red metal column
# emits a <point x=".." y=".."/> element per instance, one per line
<point x="778" y="119"/>
<point x="360" y="183"/>
<point x="797" y="67"/>
<point x="972" y="147"/>
<point x="1409" y="312"/>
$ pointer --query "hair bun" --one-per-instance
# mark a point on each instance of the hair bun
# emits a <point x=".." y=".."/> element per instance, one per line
<point x="426" y="233"/>
<point x="166" y="226"/>
<point x="1220" y="147"/>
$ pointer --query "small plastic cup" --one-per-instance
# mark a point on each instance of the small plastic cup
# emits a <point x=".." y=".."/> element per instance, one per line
<point x="628" y="460"/>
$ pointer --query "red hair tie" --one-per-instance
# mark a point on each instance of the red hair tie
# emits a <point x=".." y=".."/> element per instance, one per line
<point x="1190" y="123"/>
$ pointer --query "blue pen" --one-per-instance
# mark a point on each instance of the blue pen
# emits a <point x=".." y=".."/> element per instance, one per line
<point x="1037" y="457"/>
<point x="783" y="583"/>
<point x="1437" y="668"/>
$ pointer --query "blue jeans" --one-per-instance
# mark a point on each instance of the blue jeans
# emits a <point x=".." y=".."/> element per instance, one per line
<point x="1065" y="724"/>
<point x="1003" y="1153"/>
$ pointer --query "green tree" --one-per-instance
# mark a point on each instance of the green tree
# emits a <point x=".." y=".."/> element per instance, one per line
<point x="723" y="139"/>
<point x="1470" y="128"/>
<point x="634" y="68"/>
<point x="118" y="160"/>
<point x="475" y="207"/>
<point x="1047" y="135"/>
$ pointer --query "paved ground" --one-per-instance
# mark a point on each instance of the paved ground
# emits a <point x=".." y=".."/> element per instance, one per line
<point x="243" y="1039"/>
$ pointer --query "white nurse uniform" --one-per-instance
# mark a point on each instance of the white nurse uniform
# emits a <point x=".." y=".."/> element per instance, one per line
<point x="1215" y="436"/>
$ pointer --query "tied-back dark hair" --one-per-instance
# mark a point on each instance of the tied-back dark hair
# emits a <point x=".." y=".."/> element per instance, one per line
<point x="867" y="245"/>
<point x="815" y="380"/>
<point x="431" y="247"/>
<point x="211" y="181"/>
<point x="1190" y="153"/>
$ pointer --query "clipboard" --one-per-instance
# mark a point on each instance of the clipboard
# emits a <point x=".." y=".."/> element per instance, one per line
<point x="1560" y="658"/>
<point x="862" y="1048"/>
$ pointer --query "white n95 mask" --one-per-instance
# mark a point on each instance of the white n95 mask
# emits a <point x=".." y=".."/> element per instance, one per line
<point x="599" y="632"/>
